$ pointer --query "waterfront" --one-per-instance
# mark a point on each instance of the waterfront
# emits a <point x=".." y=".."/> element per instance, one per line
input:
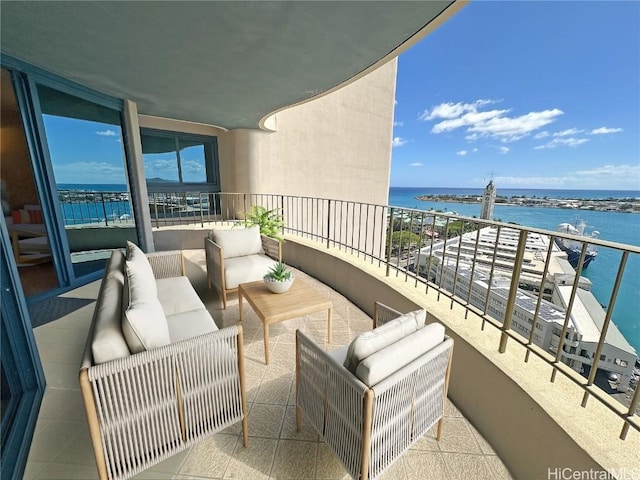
<point x="614" y="226"/>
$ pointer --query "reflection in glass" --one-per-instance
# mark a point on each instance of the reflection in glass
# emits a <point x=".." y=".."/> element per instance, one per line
<point x="87" y="157"/>
<point x="160" y="159"/>
<point x="192" y="161"/>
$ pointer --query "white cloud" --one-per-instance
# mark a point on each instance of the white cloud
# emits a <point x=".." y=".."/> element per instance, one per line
<point x="107" y="133"/>
<point x="398" y="142"/>
<point x="566" y="133"/>
<point x="504" y="150"/>
<point x="474" y="150"/>
<point x="490" y="123"/>
<point x="617" y="177"/>
<point x="90" y="172"/>
<point x="604" y="130"/>
<point x="452" y="110"/>
<point x="398" y="124"/>
<point x="416" y="164"/>
<point x="462" y="153"/>
<point x="540" y="135"/>
<point x="562" y="142"/>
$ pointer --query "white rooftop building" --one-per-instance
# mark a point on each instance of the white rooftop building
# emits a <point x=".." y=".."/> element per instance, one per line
<point x="490" y="293"/>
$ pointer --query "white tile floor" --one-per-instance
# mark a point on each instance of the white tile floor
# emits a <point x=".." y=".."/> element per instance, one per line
<point x="61" y="447"/>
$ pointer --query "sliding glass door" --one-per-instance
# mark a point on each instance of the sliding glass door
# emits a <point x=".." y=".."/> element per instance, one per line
<point x="85" y="145"/>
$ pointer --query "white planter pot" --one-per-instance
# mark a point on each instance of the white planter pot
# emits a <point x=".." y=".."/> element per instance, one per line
<point x="278" y="286"/>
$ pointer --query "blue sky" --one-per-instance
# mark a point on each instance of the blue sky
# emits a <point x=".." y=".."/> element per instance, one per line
<point x="533" y="94"/>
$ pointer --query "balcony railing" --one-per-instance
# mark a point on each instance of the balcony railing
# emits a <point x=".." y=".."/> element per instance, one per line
<point x="508" y="275"/>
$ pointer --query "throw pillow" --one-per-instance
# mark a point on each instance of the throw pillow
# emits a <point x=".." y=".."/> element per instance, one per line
<point x="20" y="216"/>
<point x="238" y="242"/>
<point x="370" y="342"/>
<point x="144" y="324"/>
<point x="139" y="270"/>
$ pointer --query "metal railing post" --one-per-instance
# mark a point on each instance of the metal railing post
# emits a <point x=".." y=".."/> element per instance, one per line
<point x="513" y="290"/>
<point x="104" y="210"/>
<point x="328" y="223"/>
<point x="389" y="236"/>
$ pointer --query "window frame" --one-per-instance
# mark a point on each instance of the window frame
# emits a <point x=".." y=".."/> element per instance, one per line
<point x="212" y="164"/>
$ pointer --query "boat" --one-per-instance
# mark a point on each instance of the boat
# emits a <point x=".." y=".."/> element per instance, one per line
<point x="573" y="248"/>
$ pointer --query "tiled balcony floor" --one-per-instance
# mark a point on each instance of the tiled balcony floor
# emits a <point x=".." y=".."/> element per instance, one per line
<point x="62" y="449"/>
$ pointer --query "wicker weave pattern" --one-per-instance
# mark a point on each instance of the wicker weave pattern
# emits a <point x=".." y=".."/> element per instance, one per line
<point x="153" y="404"/>
<point x="383" y="314"/>
<point x="166" y="264"/>
<point x="405" y="405"/>
<point x="332" y="399"/>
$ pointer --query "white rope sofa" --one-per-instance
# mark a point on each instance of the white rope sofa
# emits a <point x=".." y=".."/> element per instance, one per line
<point x="371" y="400"/>
<point x="157" y="375"/>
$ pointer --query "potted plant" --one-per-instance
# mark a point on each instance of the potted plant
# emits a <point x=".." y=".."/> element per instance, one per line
<point x="270" y="222"/>
<point x="279" y="279"/>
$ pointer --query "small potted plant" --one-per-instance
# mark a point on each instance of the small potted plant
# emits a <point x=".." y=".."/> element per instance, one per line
<point x="279" y="279"/>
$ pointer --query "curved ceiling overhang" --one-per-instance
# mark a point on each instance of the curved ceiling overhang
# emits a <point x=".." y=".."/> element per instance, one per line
<point x="229" y="64"/>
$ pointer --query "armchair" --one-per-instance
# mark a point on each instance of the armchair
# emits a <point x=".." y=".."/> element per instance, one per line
<point x="236" y="256"/>
<point x="368" y="421"/>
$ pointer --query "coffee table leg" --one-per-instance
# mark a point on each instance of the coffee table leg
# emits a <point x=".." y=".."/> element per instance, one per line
<point x="240" y="304"/>
<point x="329" y="326"/>
<point x="266" y="343"/>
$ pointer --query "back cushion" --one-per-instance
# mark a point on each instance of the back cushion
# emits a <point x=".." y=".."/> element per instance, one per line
<point x="108" y="342"/>
<point x="370" y="342"/>
<point x="144" y="324"/>
<point x="139" y="268"/>
<point x="392" y="358"/>
<point x="238" y="242"/>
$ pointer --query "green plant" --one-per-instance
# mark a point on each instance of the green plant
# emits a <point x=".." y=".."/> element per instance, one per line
<point x="279" y="272"/>
<point x="270" y="222"/>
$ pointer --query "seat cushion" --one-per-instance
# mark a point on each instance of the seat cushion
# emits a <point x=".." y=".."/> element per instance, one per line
<point x="371" y="341"/>
<point x="238" y="242"/>
<point x="250" y="268"/>
<point x="108" y="342"/>
<point x="176" y="295"/>
<point x="384" y="362"/>
<point x="190" y="324"/>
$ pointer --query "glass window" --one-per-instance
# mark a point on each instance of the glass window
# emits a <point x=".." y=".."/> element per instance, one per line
<point x="88" y="161"/>
<point x="179" y="162"/>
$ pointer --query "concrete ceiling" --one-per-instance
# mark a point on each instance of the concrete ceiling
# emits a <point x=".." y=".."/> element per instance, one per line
<point x="228" y="64"/>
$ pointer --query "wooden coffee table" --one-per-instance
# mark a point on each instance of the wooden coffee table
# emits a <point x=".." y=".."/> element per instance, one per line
<point x="300" y="300"/>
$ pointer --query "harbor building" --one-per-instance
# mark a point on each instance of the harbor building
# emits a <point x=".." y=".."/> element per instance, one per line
<point x="490" y="292"/>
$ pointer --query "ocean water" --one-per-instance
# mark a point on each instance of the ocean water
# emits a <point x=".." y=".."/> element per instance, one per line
<point x="613" y="226"/>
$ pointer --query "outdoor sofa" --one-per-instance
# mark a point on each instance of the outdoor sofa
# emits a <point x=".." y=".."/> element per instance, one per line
<point x="157" y="374"/>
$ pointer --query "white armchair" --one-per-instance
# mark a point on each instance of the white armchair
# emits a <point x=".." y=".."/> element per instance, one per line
<point x="371" y="417"/>
<point x="236" y="256"/>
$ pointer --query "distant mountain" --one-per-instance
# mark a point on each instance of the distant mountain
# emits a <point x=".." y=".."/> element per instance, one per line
<point x="160" y="180"/>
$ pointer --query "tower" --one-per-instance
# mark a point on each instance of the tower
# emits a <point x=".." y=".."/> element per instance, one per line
<point x="488" y="199"/>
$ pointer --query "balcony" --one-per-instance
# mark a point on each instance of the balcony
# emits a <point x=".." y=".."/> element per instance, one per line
<point x="62" y="449"/>
<point x="535" y="412"/>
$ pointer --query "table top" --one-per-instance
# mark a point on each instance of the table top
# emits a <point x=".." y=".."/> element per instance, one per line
<point x="301" y="299"/>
